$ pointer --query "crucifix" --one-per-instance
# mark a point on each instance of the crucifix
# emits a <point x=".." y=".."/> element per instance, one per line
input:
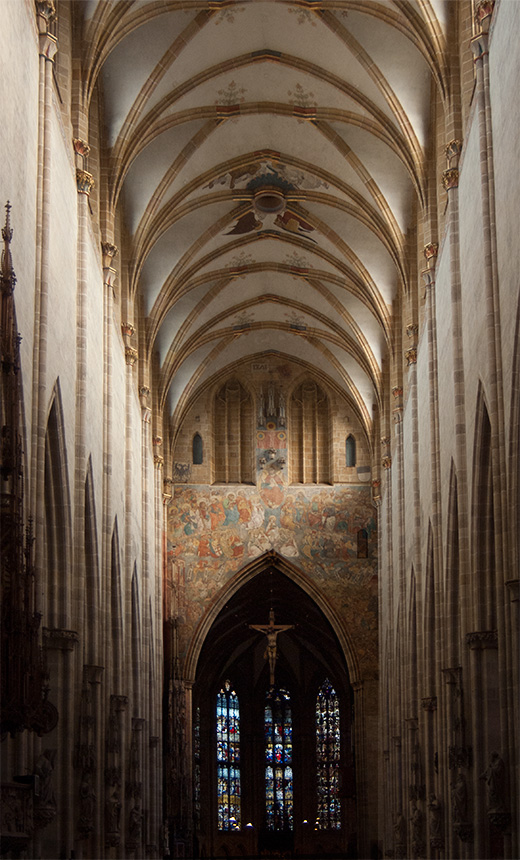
<point x="271" y="630"/>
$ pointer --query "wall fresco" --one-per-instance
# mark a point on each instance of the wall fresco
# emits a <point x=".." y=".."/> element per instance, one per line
<point x="213" y="532"/>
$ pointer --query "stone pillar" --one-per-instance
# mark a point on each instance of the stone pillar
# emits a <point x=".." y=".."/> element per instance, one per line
<point x="60" y="645"/>
<point x="48" y="46"/>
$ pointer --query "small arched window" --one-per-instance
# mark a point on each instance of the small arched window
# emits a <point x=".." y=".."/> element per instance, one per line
<point x="228" y="759"/>
<point x="197" y="450"/>
<point x="362" y="543"/>
<point x="350" y="451"/>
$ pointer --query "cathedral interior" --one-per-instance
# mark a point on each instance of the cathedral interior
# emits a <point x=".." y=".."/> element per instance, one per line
<point x="260" y="429"/>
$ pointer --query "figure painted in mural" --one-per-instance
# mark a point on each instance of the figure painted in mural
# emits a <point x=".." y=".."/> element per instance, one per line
<point x="271" y="487"/>
<point x="229" y="505"/>
<point x="293" y="223"/>
<point x="245" y="224"/>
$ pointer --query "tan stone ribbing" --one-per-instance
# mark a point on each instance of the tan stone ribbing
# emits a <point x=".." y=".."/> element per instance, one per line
<point x="501" y="498"/>
<point x="47" y="50"/>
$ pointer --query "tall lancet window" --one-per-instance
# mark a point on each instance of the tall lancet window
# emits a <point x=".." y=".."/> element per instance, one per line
<point x="228" y="759"/>
<point x="278" y="760"/>
<point x="328" y="758"/>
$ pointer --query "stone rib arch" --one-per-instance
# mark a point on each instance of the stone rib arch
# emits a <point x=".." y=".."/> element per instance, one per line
<point x="245" y="575"/>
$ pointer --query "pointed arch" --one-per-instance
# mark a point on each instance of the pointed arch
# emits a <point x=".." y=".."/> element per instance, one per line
<point x="483" y="536"/>
<point x="57" y="521"/>
<point x="429" y="618"/>
<point x="412" y="648"/>
<point x="270" y="559"/>
<point x="350" y="451"/>
<point x="116" y="608"/>
<point x="197" y="450"/>
<point x="309" y="428"/>
<point x="136" y="642"/>
<point x="233" y="434"/>
<point x="514" y="450"/>
<point x="452" y="586"/>
<point x="92" y="579"/>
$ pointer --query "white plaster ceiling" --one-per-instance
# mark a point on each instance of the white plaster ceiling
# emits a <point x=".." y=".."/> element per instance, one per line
<point x="208" y="102"/>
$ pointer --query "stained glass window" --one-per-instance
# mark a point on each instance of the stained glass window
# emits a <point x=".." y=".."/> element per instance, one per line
<point x="196" y="758"/>
<point x="278" y="760"/>
<point x="328" y="758"/>
<point x="228" y="759"/>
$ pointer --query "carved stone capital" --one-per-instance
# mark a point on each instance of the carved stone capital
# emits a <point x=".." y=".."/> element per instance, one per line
<point x="450" y="178"/>
<point x="412" y="331"/>
<point x="479" y="640"/>
<point x="429" y="703"/>
<point x="84" y="181"/>
<point x="397" y="414"/>
<point x="131" y="355"/>
<point x="464" y="832"/>
<point x="93" y="674"/>
<point x="411" y="355"/>
<point x="154" y="741"/>
<point x="385" y="441"/>
<point x="512" y="586"/>
<point x="47" y="46"/>
<point x="453" y="675"/>
<point x="81" y="147"/>
<point x="479" y="46"/>
<point x="397" y="391"/>
<point x="397" y="741"/>
<point x="158" y="461"/>
<point x="57" y="639"/>
<point x="386" y="462"/>
<point x="412" y="723"/>
<point x="118" y="703"/>
<point x="138" y="724"/>
<point x="157" y="441"/>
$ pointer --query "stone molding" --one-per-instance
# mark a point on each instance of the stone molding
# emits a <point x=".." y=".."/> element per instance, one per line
<point x="480" y="640"/>
<point x="58" y="639"/>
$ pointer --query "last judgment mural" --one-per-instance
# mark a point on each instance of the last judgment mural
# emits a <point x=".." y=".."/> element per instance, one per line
<point x="327" y="532"/>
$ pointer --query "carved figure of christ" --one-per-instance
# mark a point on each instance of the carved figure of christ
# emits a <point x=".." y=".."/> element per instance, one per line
<point x="271" y="630"/>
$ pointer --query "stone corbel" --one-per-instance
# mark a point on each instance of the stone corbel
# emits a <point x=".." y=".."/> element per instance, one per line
<point x="131" y="355"/>
<point x="84" y="181"/>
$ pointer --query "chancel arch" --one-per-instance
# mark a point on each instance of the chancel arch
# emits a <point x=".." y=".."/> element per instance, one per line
<point x="278" y="724"/>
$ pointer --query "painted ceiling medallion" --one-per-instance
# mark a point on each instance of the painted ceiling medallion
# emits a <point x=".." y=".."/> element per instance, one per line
<point x="269" y="200"/>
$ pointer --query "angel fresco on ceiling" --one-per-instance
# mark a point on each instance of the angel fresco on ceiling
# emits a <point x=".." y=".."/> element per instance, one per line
<point x="266" y="171"/>
<point x="288" y="221"/>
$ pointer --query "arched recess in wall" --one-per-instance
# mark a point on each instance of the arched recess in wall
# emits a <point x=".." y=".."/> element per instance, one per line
<point x="233" y="434"/>
<point x="429" y="619"/>
<point x="270" y="559"/>
<point x="483" y="522"/>
<point x="413" y="645"/>
<point x="309" y="435"/>
<point x="136" y="642"/>
<point x="514" y="450"/>
<point x="197" y="450"/>
<point x="453" y="571"/>
<point x="350" y="451"/>
<point x="116" y="613"/>
<point x="92" y="582"/>
<point x="57" y="524"/>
